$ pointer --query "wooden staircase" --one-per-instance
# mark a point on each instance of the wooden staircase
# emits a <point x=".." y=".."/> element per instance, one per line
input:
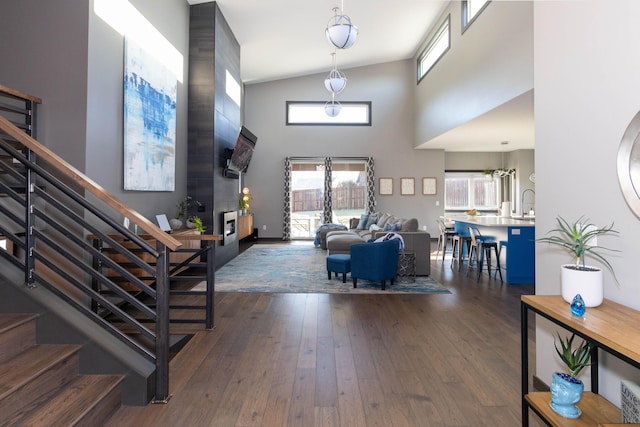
<point x="40" y="384"/>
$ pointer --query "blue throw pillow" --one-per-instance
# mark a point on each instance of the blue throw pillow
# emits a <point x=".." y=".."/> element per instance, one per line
<point x="392" y="227"/>
<point x="370" y="221"/>
<point x="362" y="225"/>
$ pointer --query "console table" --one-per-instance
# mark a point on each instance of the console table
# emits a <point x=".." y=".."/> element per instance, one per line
<point x="245" y="225"/>
<point x="611" y="327"/>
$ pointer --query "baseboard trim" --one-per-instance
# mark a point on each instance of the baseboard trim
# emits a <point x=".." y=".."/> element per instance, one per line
<point x="539" y="385"/>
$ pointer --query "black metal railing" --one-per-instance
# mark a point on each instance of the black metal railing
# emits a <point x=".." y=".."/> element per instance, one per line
<point x="49" y="215"/>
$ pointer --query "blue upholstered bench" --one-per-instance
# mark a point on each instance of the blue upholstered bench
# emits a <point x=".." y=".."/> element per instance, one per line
<point x="339" y="263"/>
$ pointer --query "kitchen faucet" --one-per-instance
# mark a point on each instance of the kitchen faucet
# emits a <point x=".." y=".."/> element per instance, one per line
<point x="522" y="200"/>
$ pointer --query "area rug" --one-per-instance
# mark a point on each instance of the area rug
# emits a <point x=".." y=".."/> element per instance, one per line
<point x="301" y="269"/>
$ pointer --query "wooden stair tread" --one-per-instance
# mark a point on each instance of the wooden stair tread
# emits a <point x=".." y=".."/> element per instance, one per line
<point x="10" y="321"/>
<point x="31" y="363"/>
<point x="71" y="403"/>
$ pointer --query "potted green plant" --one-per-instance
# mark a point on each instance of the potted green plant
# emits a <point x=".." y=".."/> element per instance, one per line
<point x="181" y="214"/>
<point x="566" y="388"/>
<point x="580" y="278"/>
<point x="198" y="225"/>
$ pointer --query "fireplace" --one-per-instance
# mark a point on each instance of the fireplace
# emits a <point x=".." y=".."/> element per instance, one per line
<point x="229" y="227"/>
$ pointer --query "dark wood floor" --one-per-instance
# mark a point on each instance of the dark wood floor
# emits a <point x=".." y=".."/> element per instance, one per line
<point x="351" y="360"/>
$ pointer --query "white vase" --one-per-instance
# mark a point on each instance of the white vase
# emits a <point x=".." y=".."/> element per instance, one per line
<point x="588" y="283"/>
<point x="175" y="224"/>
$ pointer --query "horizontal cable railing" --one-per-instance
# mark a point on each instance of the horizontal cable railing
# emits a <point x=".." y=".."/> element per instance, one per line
<point x="51" y="215"/>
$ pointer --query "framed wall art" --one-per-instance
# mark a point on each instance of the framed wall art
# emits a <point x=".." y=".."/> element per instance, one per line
<point x="429" y="186"/>
<point x="150" y="91"/>
<point x="386" y="186"/>
<point x="407" y="186"/>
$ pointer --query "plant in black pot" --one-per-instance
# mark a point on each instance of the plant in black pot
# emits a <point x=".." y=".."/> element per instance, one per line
<point x="579" y="239"/>
<point x="566" y="388"/>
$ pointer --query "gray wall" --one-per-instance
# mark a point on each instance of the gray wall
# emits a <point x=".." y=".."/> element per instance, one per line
<point x="44" y="51"/>
<point x="586" y="78"/>
<point x="390" y="87"/>
<point x="104" y="131"/>
<point x="488" y="65"/>
<point x="66" y="55"/>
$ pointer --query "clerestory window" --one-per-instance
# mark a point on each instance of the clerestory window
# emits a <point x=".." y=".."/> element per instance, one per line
<point x="470" y="10"/>
<point x="436" y="48"/>
<point x="312" y="113"/>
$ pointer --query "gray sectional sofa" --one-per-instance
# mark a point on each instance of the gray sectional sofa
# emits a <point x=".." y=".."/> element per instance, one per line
<point x="375" y="226"/>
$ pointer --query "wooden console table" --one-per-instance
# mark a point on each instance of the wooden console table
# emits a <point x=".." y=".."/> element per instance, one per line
<point x="611" y="327"/>
<point x="245" y="225"/>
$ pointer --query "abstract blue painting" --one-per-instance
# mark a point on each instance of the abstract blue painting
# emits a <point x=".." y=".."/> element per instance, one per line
<point x="149" y="122"/>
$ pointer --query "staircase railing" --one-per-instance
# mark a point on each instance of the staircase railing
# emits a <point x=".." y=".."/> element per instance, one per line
<point x="48" y="209"/>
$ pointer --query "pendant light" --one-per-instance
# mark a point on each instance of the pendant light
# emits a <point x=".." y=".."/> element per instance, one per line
<point x="332" y="108"/>
<point x="340" y="31"/>
<point x="336" y="80"/>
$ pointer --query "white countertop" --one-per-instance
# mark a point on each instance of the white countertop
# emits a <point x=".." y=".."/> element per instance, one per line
<point x="494" y="221"/>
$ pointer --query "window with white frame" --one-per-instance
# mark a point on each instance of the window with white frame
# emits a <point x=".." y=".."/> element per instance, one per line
<point x="471" y="190"/>
<point x="436" y="48"/>
<point x="311" y="113"/>
<point x="470" y="10"/>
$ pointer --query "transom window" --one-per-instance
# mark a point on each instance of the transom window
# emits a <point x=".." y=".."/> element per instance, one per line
<point x="435" y="49"/>
<point x="312" y="113"/>
<point x="471" y="190"/>
<point x="471" y="9"/>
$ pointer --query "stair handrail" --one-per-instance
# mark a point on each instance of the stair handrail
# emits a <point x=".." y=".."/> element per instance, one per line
<point x="88" y="184"/>
<point x="33" y="213"/>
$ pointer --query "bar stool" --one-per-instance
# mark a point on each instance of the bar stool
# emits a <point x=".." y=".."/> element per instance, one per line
<point x="481" y="246"/>
<point x="446" y="234"/>
<point x="459" y="243"/>
<point x="503" y="244"/>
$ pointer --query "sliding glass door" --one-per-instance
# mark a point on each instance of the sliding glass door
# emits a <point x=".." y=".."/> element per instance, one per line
<point x="348" y="193"/>
<point x="307" y="198"/>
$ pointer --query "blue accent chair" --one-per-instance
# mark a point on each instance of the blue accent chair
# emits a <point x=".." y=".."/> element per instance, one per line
<point x="375" y="261"/>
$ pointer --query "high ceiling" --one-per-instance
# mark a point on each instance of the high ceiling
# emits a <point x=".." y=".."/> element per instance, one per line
<point x="285" y="38"/>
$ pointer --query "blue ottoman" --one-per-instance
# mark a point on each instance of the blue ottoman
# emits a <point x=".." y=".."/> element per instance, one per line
<point x="339" y="263"/>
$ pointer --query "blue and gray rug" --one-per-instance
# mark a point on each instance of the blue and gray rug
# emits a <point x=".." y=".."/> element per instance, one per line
<point x="301" y="269"/>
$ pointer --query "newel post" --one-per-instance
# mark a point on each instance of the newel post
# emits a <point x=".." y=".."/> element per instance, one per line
<point x="162" y="325"/>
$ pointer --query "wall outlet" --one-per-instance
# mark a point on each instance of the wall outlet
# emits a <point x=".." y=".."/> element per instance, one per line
<point x="437" y="202"/>
<point x="264" y="226"/>
<point x="424" y="227"/>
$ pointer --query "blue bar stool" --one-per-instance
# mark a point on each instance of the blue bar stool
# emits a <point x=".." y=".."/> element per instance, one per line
<point x="503" y="244"/>
<point x="481" y="247"/>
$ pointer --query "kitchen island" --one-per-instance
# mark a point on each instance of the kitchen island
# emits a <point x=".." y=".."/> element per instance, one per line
<point x="518" y="260"/>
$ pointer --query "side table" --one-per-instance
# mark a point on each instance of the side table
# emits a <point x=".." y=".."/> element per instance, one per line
<point x="407" y="265"/>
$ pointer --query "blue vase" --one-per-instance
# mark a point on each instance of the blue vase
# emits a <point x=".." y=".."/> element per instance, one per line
<point x="566" y="391"/>
<point x="578" y="308"/>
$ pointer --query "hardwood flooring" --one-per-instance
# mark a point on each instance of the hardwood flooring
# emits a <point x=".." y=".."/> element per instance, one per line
<point x="352" y="360"/>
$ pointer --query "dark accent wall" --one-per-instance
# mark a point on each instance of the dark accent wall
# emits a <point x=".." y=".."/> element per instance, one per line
<point x="214" y="119"/>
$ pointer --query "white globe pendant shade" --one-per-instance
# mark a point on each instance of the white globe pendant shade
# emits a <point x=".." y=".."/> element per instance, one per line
<point x="332" y="108"/>
<point x="335" y="81"/>
<point x="341" y="32"/>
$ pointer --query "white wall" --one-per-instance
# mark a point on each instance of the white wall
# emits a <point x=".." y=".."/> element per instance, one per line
<point x="586" y="86"/>
<point x="488" y="65"/>
<point x="390" y="87"/>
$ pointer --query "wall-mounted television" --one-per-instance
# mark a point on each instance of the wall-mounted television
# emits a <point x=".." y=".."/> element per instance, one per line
<point x="238" y="159"/>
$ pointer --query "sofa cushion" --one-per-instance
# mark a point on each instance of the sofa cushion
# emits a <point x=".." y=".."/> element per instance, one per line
<point x="362" y="224"/>
<point x="382" y="219"/>
<point x="410" y="225"/>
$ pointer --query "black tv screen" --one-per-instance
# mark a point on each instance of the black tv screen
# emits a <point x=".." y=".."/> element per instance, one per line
<point x="243" y="151"/>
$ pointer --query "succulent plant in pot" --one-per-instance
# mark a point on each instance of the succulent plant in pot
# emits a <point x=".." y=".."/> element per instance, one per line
<point x="566" y="388"/>
<point x="580" y="278"/>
